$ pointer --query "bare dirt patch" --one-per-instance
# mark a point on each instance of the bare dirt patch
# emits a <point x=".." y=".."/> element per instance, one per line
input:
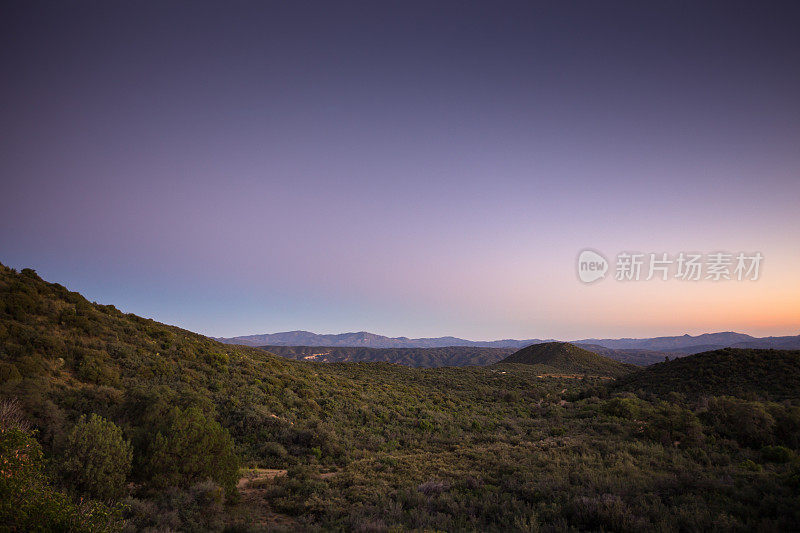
<point x="571" y="376"/>
<point x="253" y="507"/>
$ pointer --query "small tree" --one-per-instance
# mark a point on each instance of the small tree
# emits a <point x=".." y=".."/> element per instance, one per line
<point x="28" y="502"/>
<point x="194" y="448"/>
<point x="97" y="458"/>
<point x="749" y="423"/>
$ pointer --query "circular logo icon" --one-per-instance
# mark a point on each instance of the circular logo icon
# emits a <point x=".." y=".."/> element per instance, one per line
<point x="592" y="266"/>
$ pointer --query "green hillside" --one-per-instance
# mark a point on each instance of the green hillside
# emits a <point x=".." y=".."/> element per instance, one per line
<point x="438" y="357"/>
<point x="113" y="421"/>
<point x="417" y="357"/>
<point x="566" y="358"/>
<point x="745" y="373"/>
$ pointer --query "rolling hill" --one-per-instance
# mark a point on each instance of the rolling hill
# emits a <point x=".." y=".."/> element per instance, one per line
<point x="416" y="357"/>
<point x="746" y="373"/>
<point x="566" y="358"/>
<point x="445" y="356"/>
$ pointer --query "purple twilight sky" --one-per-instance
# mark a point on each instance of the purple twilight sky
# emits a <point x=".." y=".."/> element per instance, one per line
<point x="406" y="168"/>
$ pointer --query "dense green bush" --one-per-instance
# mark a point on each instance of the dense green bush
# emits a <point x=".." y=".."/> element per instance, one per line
<point x="623" y="407"/>
<point x="777" y="454"/>
<point x="749" y="423"/>
<point x="9" y="374"/>
<point x="671" y="424"/>
<point x="29" y="503"/>
<point x="97" y="459"/>
<point x="192" y="448"/>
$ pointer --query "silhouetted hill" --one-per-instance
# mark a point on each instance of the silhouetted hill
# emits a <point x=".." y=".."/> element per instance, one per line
<point x="563" y="357"/>
<point x="746" y="373"/>
<point x="417" y="357"/>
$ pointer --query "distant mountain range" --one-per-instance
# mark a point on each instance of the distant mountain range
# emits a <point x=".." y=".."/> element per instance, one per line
<point x="367" y="340"/>
<point x="699" y="343"/>
<point x="679" y="345"/>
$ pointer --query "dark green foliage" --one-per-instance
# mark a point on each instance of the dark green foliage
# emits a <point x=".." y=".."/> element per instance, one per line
<point x="777" y="454"/>
<point x="191" y="448"/>
<point x="416" y="357"/>
<point x="9" y="374"/>
<point x="566" y="358"/>
<point x="749" y="423"/>
<point x="624" y="407"/>
<point x="28" y="502"/>
<point x="97" y="459"/>
<point x="196" y="508"/>
<point x="744" y="373"/>
<point x="672" y="424"/>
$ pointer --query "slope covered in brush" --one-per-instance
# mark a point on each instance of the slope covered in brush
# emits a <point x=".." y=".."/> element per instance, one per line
<point x="746" y="373"/>
<point x="566" y="358"/>
<point x="417" y="357"/>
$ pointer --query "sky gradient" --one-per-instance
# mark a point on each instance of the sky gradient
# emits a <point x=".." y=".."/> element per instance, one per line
<point x="418" y="169"/>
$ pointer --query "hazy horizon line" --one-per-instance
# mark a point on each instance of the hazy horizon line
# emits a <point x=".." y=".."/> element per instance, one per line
<point x="506" y="338"/>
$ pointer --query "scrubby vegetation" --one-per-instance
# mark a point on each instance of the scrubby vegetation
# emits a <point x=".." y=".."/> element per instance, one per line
<point x="445" y="356"/>
<point x="418" y="357"/>
<point x="747" y="373"/>
<point x="28" y="499"/>
<point x="97" y="460"/>
<point x="566" y="358"/>
<point x="367" y="446"/>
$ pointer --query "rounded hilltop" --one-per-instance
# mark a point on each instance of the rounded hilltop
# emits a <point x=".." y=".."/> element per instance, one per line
<point x="566" y="358"/>
<point x="742" y="372"/>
